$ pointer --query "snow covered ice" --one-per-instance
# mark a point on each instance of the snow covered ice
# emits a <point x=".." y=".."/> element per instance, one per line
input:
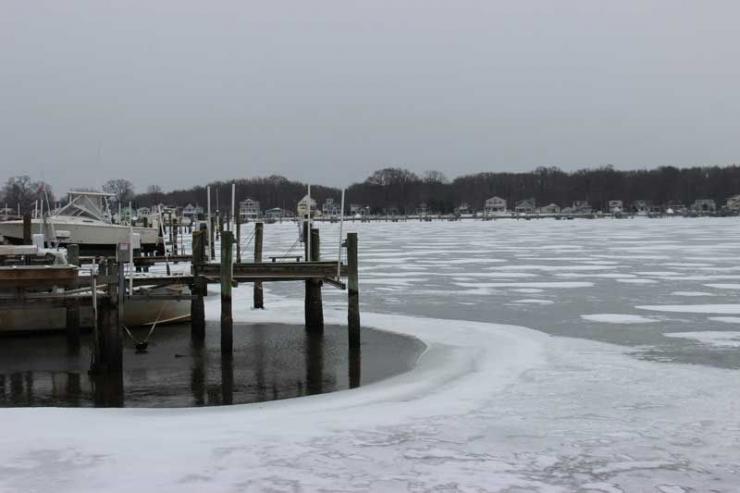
<point x="586" y="383"/>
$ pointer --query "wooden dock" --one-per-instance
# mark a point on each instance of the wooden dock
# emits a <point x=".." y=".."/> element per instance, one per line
<point x="108" y="290"/>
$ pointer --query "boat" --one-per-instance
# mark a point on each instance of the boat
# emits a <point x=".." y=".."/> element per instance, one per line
<point x="84" y="221"/>
<point x="32" y="318"/>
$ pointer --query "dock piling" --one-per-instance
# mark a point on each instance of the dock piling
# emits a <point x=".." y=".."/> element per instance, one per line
<point x="238" y="239"/>
<point x="227" y="275"/>
<point x="353" y="292"/>
<point x="259" y="301"/>
<point x="27" y="240"/>
<point x="211" y="233"/>
<point x="73" y="305"/>
<point x="108" y="350"/>
<point x="313" y="307"/>
<point x="198" y="288"/>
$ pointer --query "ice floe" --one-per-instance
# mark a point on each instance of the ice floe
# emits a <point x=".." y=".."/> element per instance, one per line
<point x="726" y="320"/>
<point x="710" y="338"/>
<point x="720" y="309"/>
<point x="691" y="293"/>
<point x="723" y="286"/>
<point x="544" y="285"/>
<point x="617" y="318"/>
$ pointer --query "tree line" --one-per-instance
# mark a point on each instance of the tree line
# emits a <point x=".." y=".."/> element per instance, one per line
<point x="403" y="191"/>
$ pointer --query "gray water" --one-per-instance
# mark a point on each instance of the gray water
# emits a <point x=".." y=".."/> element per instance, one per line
<point x="271" y="361"/>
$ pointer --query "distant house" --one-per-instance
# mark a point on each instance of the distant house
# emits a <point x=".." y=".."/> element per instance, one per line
<point x="582" y="206"/>
<point x="640" y="207"/>
<point x="249" y="209"/>
<point x="463" y="208"/>
<point x="703" y="206"/>
<point x="303" y="207"/>
<point x="549" y="209"/>
<point x="674" y="207"/>
<point x="276" y="213"/>
<point x="616" y="206"/>
<point x="192" y="211"/>
<point x="525" y="206"/>
<point x="733" y="203"/>
<point x="422" y="210"/>
<point x="357" y="210"/>
<point x="330" y="208"/>
<point x="495" y="205"/>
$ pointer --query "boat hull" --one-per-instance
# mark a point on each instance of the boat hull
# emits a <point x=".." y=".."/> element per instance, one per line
<point x="93" y="237"/>
<point x="52" y="319"/>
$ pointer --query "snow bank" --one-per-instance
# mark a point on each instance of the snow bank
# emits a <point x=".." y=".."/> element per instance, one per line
<point x="48" y="449"/>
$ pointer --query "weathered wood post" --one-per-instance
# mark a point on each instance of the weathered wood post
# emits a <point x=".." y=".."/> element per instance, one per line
<point x="173" y="243"/>
<point x="259" y="301"/>
<point x="227" y="381"/>
<point x="27" y="229"/>
<point x="227" y="322"/>
<point x="108" y="351"/>
<point x="353" y="292"/>
<point x="198" y="288"/>
<point x="238" y="240"/>
<point x="313" y="307"/>
<point x="73" y="304"/>
<point x="211" y="241"/>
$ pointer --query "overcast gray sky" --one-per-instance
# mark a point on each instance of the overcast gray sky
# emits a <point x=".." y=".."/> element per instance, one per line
<point x="180" y="92"/>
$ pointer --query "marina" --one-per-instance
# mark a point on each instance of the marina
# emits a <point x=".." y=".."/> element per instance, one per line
<point x="388" y="246"/>
<point x="569" y="328"/>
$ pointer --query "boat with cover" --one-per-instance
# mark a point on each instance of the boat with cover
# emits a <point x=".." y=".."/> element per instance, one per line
<point x="84" y="221"/>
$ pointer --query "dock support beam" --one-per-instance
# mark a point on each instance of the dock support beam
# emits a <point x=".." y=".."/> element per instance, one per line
<point x="313" y="307"/>
<point x="227" y="322"/>
<point x="259" y="301"/>
<point x="108" y="353"/>
<point x="73" y="306"/>
<point x="353" y="292"/>
<point x="197" y="308"/>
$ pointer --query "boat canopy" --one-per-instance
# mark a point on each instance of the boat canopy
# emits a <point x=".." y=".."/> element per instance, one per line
<point x="91" y="205"/>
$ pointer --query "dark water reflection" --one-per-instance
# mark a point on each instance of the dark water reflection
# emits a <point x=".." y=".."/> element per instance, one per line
<point x="271" y="361"/>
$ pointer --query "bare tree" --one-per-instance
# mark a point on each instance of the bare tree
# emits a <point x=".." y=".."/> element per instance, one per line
<point x="21" y="191"/>
<point x="433" y="176"/>
<point x="121" y="188"/>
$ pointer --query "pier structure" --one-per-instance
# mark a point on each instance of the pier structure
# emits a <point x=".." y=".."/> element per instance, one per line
<point x="25" y="279"/>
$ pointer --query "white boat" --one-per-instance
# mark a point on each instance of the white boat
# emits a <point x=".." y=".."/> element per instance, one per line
<point x="138" y="312"/>
<point x="83" y="221"/>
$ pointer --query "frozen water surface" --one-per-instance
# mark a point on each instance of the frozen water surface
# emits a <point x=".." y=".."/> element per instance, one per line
<point x="508" y="396"/>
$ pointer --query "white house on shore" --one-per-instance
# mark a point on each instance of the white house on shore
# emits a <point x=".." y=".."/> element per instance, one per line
<point x="549" y="209"/>
<point x="733" y="203"/>
<point x="495" y="205"/>
<point x="302" y="208"/>
<point x="704" y="206"/>
<point x="249" y="209"/>
<point x="525" y="206"/>
<point x="330" y="208"/>
<point x="616" y="206"/>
